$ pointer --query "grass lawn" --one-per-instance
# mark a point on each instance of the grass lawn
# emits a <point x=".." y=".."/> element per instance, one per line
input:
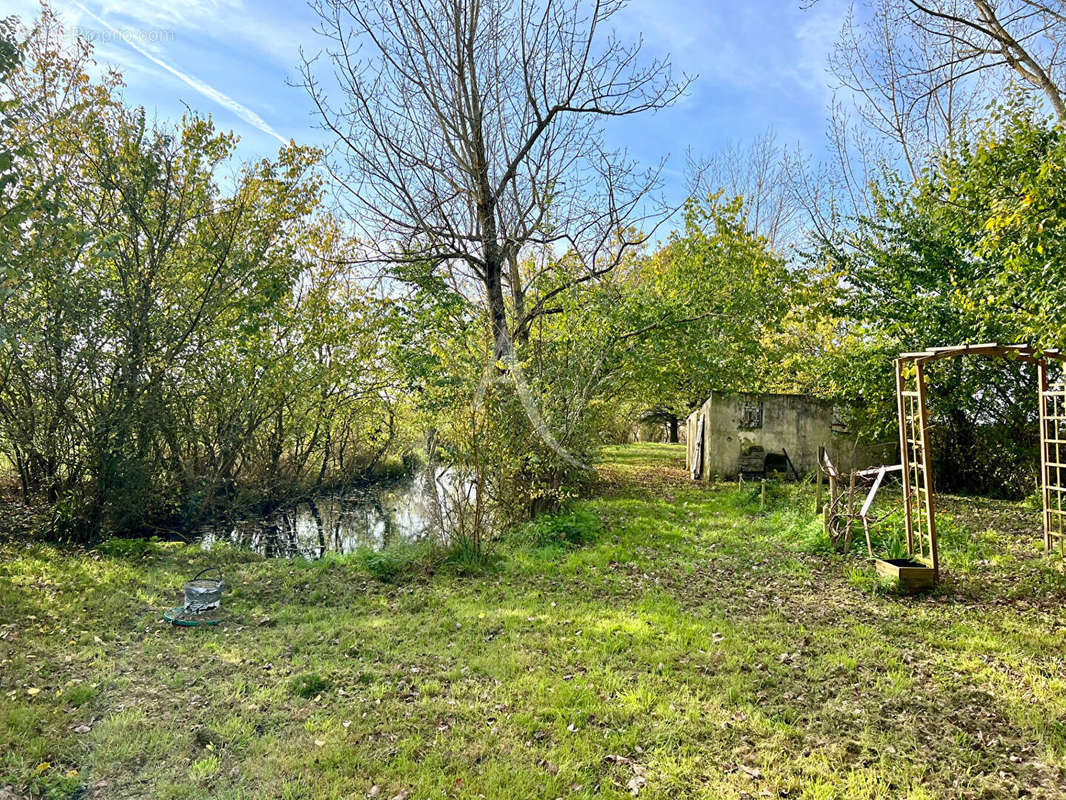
<point x="662" y="640"/>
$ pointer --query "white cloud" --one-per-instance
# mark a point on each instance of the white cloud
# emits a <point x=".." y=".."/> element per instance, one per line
<point x="208" y="91"/>
<point x="272" y="34"/>
<point x="166" y="14"/>
<point x="816" y="36"/>
<point x="757" y="47"/>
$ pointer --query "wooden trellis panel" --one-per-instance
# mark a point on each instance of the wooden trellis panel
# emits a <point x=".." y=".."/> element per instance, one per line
<point x="1053" y="460"/>
<point x="914" y="438"/>
<point x="919" y="514"/>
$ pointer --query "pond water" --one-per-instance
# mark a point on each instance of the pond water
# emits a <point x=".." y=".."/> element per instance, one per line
<point x="372" y="517"/>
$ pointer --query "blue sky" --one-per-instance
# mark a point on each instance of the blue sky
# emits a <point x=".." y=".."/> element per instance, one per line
<point x="760" y="64"/>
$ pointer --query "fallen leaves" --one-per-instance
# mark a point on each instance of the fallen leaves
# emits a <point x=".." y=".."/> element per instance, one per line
<point x="746" y="645"/>
<point x="752" y="772"/>
<point x="638" y="780"/>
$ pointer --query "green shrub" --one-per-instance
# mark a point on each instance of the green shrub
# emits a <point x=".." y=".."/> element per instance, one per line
<point x="79" y="694"/>
<point x="128" y="548"/>
<point x="465" y="558"/>
<point x="749" y="496"/>
<point x="809" y="533"/>
<point x="308" y="685"/>
<point x="1033" y="502"/>
<point x="397" y="561"/>
<point x="893" y="543"/>
<point x="566" y="529"/>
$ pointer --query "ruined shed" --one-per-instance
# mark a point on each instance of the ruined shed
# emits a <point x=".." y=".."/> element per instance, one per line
<point x="730" y="433"/>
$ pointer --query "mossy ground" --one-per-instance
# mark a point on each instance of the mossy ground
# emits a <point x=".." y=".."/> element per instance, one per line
<point x="661" y="639"/>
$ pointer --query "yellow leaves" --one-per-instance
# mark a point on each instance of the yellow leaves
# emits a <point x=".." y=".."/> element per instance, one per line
<point x="33" y="691"/>
<point x="44" y="766"/>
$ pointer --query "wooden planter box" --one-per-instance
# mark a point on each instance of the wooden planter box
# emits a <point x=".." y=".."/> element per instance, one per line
<point x="911" y="575"/>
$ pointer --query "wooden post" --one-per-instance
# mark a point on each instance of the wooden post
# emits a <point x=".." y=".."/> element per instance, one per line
<point x="827" y="509"/>
<point x="818" y="490"/>
<point x="851" y="512"/>
<point x="762" y="494"/>
<point x="864" y="512"/>
<point x="1041" y="389"/>
<point x="927" y="468"/>
<point x="901" y="409"/>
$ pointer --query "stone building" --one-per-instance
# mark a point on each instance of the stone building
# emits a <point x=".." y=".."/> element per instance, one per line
<point x="752" y="433"/>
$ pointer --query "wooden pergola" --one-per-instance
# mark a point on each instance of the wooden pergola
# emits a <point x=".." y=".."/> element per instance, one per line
<point x="914" y="441"/>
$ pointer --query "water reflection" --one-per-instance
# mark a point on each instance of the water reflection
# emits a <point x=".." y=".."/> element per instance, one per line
<point x="374" y="517"/>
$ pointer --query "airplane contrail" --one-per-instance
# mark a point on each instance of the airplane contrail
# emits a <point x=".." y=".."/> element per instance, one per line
<point x="205" y="89"/>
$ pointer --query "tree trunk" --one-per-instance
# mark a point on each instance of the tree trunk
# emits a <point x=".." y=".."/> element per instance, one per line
<point x="518" y="301"/>
<point x="486" y="216"/>
<point x="497" y="311"/>
<point x="673" y="429"/>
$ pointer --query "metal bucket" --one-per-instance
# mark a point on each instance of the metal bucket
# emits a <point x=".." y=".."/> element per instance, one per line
<point x="204" y="594"/>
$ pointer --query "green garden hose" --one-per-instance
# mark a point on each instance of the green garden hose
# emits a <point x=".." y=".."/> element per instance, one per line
<point x="180" y="617"/>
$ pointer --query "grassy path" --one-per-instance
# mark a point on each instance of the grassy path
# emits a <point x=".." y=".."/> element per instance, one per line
<point x="694" y="645"/>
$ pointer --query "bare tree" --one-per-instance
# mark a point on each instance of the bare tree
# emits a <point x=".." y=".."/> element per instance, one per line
<point x="468" y="133"/>
<point x="831" y="192"/>
<point x="904" y="83"/>
<point x="906" y="89"/>
<point x="1024" y="35"/>
<point x="755" y="171"/>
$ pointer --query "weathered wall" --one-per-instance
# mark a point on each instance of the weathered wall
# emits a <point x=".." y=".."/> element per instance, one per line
<point x="794" y="424"/>
<point x="797" y="425"/>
